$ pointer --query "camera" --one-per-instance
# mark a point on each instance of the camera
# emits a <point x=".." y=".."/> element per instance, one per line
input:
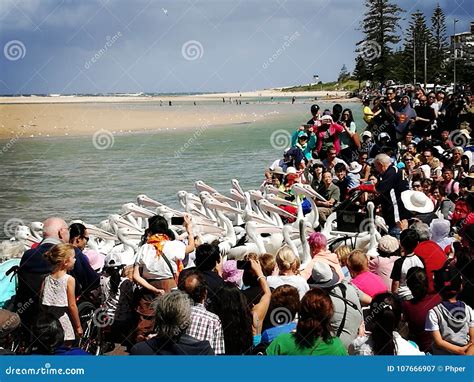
<point x="243" y="264"/>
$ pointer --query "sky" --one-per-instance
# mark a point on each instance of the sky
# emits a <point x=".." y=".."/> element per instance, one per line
<point x="175" y="46"/>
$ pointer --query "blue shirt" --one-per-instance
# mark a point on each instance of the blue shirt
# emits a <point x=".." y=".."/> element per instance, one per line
<point x="270" y="334"/>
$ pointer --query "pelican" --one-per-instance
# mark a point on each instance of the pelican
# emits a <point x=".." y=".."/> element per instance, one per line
<point x="236" y="186"/>
<point x="201" y="186"/>
<point x="144" y="200"/>
<point x="37" y="230"/>
<point x="310" y="194"/>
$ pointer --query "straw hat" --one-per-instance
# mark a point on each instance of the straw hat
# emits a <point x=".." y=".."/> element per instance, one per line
<point x="417" y="201"/>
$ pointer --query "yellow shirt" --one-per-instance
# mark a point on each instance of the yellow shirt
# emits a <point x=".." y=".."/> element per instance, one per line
<point x="368" y="114"/>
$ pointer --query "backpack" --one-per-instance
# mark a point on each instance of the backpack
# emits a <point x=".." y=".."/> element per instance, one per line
<point x="346" y="303"/>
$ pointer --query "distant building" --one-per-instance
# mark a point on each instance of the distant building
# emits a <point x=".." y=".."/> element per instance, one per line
<point x="464" y="45"/>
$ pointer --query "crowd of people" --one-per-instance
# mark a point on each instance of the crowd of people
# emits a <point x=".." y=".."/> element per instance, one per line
<point x="412" y="295"/>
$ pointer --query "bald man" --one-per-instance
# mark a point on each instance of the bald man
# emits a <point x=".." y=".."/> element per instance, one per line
<point x="34" y="268"/>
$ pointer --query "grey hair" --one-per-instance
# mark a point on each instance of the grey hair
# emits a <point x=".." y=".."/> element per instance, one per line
<point x="172" y="314"/>
<point x="458" y="149"/>
<point x="383" y="159"/>
<point x="422" y="229"/>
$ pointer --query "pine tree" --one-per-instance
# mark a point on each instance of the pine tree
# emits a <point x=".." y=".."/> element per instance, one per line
<point x="343" y="74"/>
<point x="379" y="26"/>
<point x="360" y="71"/>
<point x="416" y="37"/>
<point x="440" y="44"/>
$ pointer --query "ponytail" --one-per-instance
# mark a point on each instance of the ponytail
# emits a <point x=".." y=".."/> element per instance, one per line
<point x="386" y="312"/>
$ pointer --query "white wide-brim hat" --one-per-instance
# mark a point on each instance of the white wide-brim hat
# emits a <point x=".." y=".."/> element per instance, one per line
<point x="417" y="201"/>
<point x="355" y="167"/>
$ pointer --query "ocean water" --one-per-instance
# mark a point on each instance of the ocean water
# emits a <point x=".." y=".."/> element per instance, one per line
<point x="72" y="178"/>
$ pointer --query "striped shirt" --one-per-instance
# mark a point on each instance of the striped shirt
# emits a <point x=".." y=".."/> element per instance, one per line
<point x="206" y="326"/>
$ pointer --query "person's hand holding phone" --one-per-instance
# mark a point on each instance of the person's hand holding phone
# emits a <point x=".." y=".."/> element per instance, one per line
<point x="188" y="225"/>
<point x="256" y="268"/>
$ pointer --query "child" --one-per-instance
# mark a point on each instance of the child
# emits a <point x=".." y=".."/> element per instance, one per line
<point x="117" y="299"/>
<point x="409" y="239"/>
<point x="451" y="322"/>
<point x="58" y="290"/>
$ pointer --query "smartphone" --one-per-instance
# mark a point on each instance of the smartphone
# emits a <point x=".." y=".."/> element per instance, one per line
<point x="177" y="220"/>
<point x="243" y="264"/>
<point x="368" y="319"/>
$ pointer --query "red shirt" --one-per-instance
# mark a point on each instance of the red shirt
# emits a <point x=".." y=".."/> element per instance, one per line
<point x="415" y="315"/>
<point x="433" y="257"/>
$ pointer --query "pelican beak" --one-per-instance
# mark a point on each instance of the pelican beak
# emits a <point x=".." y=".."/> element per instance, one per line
<point x="144" y="200"/>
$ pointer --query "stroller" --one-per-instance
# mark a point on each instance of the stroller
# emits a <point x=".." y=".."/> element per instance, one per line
<point x="8" y="283"/>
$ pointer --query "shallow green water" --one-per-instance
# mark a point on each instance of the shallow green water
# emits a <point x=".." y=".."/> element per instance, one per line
<point x="70" y="177"/>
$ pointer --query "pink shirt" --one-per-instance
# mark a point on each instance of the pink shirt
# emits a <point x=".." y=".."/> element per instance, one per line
<point x="330" y="259"/>
<point x="334" y="130"/>
<point x="369" y="283"/>
<point x="382" y="266"/>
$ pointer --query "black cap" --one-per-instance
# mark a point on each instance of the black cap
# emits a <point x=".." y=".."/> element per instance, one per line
<point x="314" y="109"/>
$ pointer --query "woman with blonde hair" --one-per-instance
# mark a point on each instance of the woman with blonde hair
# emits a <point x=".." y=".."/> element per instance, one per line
<point x="288" y="273"/>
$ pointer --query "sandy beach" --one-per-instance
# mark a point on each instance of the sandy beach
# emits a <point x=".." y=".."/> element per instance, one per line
<point x="31" y="117"/>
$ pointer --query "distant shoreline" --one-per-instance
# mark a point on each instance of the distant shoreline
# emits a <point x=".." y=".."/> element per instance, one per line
<point x="267" y="93"/>
<point x="42" y="117"/>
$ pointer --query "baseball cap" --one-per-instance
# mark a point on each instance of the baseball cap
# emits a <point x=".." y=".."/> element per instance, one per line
<point x="367" y="134"/>
<point x="302" y="134"/>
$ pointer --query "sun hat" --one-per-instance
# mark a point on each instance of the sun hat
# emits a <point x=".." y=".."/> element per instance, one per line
<point x="9" y="321"/>
<point x="417" y="201"/>
<point x="326" y="118"/>
<point x="323" y="275"/>
<point x="278" y="170"/>
<point x="367" y="134"/>
<point x="291" y="170"/>
<point x="230" y="273"/>
<point x="355" y="167"/>
<point x="96" y="259"/>
<point x="388" y="244"/>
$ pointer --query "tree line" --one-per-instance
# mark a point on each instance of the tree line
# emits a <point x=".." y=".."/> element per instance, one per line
<point x="380" y="57"/>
